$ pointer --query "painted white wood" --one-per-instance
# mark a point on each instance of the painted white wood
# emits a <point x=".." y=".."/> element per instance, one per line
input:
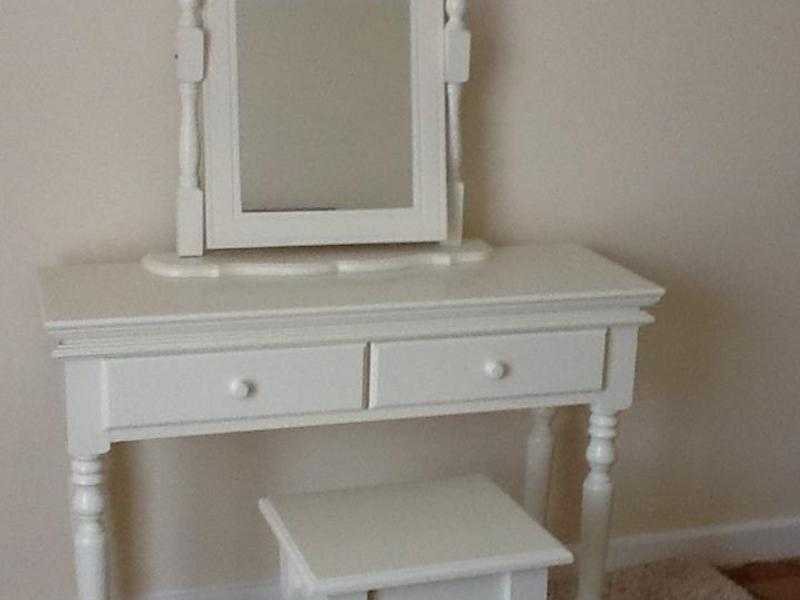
<point x="621" y="369"/>
<point x="405" y="535"/>
<point x="190" y="47"/>
<point x="457" y="61"/>
<point x="228" y="226"/>
<point x="596" y="507"/>
<point x="616" y="368"/>
<point x="190" y="220"/>
<point x="121" y="329"/>
<point x="292" y="584"/>
<point x="726" y="544"/>
<point x="190" y="61"/>
<point x="457" y="42"/>
<point x="234" y="385"/>
<point x="122" y="300"/>
<point x="317" y="419"/>
<point x="89" y="530"/>
<point x="538" y="455"/>
<point x="524" y="585"/>
<point x="86" y="401"/>
<point x="473" y="368"/>
<point x="315" y="260"/>
<point x="221" y="333"/>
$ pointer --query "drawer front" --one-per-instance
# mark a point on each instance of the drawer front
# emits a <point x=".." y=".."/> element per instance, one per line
<point x="486" y="367"/>
<point x="234" y="385"/>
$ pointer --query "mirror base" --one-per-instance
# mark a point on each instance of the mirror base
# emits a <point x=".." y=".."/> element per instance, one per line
<point x="317" y="260"/>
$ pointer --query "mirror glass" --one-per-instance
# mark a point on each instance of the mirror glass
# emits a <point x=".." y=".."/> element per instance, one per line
<point x="324" y="104"/>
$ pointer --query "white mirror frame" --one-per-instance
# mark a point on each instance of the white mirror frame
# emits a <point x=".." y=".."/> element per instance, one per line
<point x="214" y="219"/>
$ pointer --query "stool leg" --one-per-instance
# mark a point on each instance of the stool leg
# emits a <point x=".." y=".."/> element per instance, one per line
<point x="527" y="585"/>
<point x="596" y="510"/>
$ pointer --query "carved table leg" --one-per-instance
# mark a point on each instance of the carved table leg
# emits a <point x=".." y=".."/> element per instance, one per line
<point x="596" y="510"/>
<point x="89" y="534"/>
<point x="538" y="463"/>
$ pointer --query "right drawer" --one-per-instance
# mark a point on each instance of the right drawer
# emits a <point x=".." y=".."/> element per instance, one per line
<point x="417" y="372"/>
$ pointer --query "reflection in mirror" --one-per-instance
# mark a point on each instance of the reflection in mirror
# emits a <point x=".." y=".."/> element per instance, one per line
<point x="324" y="104"/>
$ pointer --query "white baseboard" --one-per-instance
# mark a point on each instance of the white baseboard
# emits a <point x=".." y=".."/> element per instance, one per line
<point x="718" y="544"/>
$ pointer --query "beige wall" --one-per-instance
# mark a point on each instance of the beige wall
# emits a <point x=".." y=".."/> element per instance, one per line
<point x="664" y="134"/>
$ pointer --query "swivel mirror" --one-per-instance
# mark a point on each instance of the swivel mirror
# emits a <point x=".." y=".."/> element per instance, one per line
<point x="324" y="122"/>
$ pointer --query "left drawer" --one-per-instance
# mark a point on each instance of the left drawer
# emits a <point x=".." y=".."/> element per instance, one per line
<point x="191" y="388"/>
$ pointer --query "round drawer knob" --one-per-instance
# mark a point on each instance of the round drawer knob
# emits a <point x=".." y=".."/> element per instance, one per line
<point x="495" y="369"/>
<point x="242" y="389"/>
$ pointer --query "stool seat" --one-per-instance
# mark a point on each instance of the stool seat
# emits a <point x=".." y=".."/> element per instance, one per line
<point x="465" y="531"/>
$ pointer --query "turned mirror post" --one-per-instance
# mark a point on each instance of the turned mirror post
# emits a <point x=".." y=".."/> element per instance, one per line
<point x="190" y="66"/>
<point x="457" y="59"/>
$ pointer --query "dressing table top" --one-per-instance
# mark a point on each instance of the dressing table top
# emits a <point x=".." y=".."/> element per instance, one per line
<point x="89" y="298"/>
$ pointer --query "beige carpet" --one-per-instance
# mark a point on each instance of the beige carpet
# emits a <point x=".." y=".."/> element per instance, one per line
<point x="667" y="580"/>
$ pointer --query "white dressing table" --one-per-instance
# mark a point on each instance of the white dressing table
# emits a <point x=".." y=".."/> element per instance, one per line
<point x="334" y="124"/>
<point x="531" y="327"/>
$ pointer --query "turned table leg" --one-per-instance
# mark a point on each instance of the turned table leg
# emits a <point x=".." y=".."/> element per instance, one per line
<point x="538" y="463"/>
<point x="596" y="510"/>
<point x="89" y="533"/>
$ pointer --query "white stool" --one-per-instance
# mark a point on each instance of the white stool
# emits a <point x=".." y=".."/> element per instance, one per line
<point x="460" y="539"/>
